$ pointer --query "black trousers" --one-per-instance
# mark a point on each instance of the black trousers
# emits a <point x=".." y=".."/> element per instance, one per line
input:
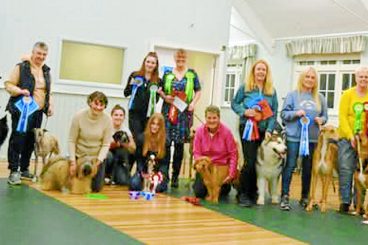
<point x="137" y="124"/>
<point x="177" y="160"/>
<point x="248" y="175"/>
<point x="21" y="145"/>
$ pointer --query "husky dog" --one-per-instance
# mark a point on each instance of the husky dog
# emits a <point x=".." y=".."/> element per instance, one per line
<point x="270" y="156"/>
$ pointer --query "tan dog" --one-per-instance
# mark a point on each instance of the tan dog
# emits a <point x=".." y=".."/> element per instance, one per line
<point x="323" y="164"/>
<point x="361" y="175"/>
<point x="213" y="176"/>
<point x="46" y="144"/>
<point x="55" y="175"/>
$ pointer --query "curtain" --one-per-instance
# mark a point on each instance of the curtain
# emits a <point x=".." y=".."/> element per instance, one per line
<point x="327" y="45"/>
<point x="243" y="54"/>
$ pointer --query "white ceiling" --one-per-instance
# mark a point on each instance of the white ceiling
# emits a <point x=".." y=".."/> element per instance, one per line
<point x="268" y="20"/>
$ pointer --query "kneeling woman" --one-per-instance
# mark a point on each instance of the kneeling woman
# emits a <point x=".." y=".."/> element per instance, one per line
<point x="90" y="135"/>
<point x="117" y="161"/>
<point x="152" y="142"/>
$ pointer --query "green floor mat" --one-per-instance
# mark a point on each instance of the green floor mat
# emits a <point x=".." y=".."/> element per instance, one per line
<point x="30" y="217"/>
<point x="313" y="228"/>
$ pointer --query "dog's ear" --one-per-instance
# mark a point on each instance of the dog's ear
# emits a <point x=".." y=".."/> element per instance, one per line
<point x="44" y="130"/>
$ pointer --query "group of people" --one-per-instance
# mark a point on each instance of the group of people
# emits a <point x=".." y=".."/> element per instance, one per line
<point x="303" y="112"/>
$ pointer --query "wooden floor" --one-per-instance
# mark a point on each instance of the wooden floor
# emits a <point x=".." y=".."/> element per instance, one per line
<point x="165" y="219"/>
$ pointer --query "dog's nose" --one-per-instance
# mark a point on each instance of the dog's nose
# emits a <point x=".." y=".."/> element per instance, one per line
<point x="87" y="170"/>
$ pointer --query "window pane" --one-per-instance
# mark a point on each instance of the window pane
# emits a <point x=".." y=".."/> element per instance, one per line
<point x="227" y="80"/>
<point x="232" y="81"/>
<point x="226" y="94"/>
<point x="345" y="81"/>
<point x="322" y="84"/>
<point x="346" y="62"/>
<point x="323" y="93"/>
<point x="353" y="80"/>
<point x="356" y="61"/>
<point x="330" y="99"/>
<point x="231" y="95"/>
<point x="331" y="81"/>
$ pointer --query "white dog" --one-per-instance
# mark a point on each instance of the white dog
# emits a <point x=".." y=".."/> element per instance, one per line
<point x="270" y="157"/>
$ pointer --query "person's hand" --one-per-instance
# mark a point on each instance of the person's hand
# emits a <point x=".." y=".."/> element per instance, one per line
<point x="318" y="120"/>
<point x="191" y="107"/>
<point x="72" y="168"/>
<point x="249" y="113"/>
<point x="25" y="92"/>
<point x="169" y="99"/>
<point x="227" y="180"/>
<point x="353" y="142"/>
<point x="268" y="135"/>
<point x="300" y="113"/>
<point x="50" y="111"/>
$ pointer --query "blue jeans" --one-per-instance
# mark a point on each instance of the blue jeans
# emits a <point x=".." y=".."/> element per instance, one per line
<point x="347" y="164"/>
<point x="287" y="172"/>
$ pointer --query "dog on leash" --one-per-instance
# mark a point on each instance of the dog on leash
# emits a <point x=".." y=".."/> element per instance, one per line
<point x="361" y="174"/>
<point x="152" y="177"/>
<point x="3" y="130"/>
<point x="323" y="165"/>
<point x="55" y="175"/>
<point x="213" y="176"/>
<point x="46" y="144"/>
<point x="270" y="157"/>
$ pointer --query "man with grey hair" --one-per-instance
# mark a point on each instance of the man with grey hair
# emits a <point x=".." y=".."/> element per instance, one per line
<point x="29" y="88"/>
<point x="214" y="140"/>
<point x="351" y="123"/>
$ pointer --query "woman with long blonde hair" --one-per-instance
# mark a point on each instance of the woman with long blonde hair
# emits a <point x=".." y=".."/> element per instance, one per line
<point x="256" y="104"/>
<point x="303" y="107"/>
<point x="151" y="142"/>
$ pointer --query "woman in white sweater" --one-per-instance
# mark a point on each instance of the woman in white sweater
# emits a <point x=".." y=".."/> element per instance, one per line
<point x="90" y="134"/>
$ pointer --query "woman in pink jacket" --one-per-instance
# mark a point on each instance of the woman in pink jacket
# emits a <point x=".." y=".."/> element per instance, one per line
<point x="214" y="140"/>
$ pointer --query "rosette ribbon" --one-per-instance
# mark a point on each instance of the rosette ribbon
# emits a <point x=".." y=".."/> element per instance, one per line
<point x="27" y="106"/>
<point x="136" y="83"/>
<point x="304" y="138"/>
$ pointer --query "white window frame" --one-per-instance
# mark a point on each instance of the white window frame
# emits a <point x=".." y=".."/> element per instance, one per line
<point x="338" y="69"/>
<point x="232" y="69"/>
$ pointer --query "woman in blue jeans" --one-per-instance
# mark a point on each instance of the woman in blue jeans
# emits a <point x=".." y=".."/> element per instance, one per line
<point x="306" y="105"/>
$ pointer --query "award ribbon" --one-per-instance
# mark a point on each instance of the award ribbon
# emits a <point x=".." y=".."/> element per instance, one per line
<point x="152" y="100"/>
<point x="358" y="109"/>
<point x="365" y="104"/>
<point x="304" y="139"/>
<point x="136" y="83"/>
<point x="27" y="106"/>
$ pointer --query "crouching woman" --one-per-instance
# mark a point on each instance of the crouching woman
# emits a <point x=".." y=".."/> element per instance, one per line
<point x="90" y="135"/>
<point x="215" y="141"/>
<point x="151" y="142"/>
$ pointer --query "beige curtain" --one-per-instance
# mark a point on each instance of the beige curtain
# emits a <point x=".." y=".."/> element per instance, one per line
<point x="327" y="45"/>
<point x="243" y="54"/>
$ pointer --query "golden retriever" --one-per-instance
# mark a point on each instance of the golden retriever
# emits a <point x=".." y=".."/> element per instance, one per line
<point x="213" y="176"/>
<point x="55" y="175"/>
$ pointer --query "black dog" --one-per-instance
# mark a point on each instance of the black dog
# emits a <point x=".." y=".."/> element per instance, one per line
<point x="121" y="137"/>
<point x="3" y="130"/>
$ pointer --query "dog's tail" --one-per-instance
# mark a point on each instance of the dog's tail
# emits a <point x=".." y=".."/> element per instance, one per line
<point x="51" y="162"/>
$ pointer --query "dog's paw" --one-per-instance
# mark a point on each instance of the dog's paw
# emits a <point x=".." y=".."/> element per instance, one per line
<point x="260" y="201"/>
<point x="275" y="200"/>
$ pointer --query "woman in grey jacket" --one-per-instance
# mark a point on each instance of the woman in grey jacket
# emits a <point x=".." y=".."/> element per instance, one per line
<point x="303" y="112"/>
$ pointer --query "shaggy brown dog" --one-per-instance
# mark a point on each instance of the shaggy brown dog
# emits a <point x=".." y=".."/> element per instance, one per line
<point x="55" y="175"/>
<point x="213" y="176"/>
<point x="324" y="162"/>
<point x="361" y="175"/>
<point x="46" y="144"/>
<point x="3" y="130"/>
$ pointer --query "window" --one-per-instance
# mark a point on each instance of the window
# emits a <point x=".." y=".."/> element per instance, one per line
<point x="233" y="76"/>
<point x="85" y="62"/>
<point x="336" y="74"/>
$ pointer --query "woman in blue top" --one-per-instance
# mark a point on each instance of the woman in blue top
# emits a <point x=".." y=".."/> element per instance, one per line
<point x="258" y="86"/>
<point x="304" y="102"/>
